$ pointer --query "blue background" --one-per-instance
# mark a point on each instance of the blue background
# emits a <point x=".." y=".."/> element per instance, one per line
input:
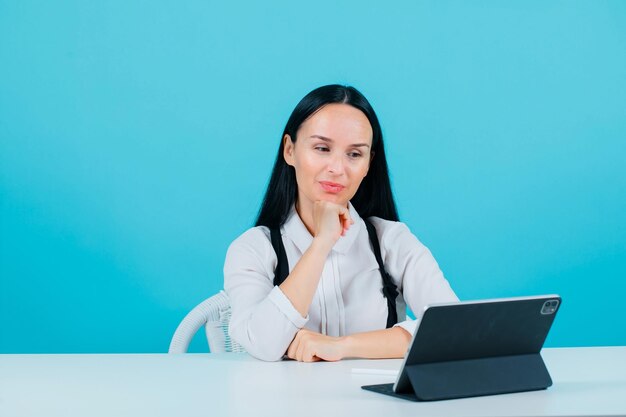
<point x="136" y="140"/>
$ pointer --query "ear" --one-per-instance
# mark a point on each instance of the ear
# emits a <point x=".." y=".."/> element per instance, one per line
<point x="288" y="150"/>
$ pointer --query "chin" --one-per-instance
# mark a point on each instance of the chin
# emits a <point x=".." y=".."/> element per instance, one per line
<point x="340" y="200"/>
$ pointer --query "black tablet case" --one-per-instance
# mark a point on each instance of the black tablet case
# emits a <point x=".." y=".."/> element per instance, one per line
<point x="474" y="349"/>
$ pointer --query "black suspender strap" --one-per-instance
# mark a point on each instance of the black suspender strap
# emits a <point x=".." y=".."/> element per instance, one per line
<point x="282" y="267"/>
<point x="390" y="291"/>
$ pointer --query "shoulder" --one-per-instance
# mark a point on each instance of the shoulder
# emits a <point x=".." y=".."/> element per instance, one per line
<point x="254" y="235"/>
<point x="254" y="242"/>
<point x="385" y="228"/>
<point x="393" y="234"/>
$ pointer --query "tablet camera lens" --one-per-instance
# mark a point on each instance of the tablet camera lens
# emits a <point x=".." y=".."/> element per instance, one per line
<point x="549" y="307"/>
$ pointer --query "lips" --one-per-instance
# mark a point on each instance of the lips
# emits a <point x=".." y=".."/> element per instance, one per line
<point x="331" y="187"/>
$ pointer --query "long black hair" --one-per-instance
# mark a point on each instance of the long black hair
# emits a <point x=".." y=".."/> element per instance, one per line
<point x="374" y="196"/>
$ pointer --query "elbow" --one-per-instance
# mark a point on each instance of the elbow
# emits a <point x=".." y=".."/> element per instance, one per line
<point x="261" y="349"/>
<point x="267" y="356"/>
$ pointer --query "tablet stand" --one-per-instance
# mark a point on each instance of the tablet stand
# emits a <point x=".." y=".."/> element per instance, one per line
<point x="472" y="378"/>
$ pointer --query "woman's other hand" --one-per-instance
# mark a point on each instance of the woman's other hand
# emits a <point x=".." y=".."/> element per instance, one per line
<point x="309" y="346"/>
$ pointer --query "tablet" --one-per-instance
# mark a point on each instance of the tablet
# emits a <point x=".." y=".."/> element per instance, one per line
<point x="474" y="348"/>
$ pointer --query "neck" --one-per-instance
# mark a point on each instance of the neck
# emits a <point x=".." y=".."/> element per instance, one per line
<point x="306" y="215"/>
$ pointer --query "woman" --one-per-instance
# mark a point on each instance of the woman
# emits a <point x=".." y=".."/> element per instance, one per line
<point x="312" y="280"/>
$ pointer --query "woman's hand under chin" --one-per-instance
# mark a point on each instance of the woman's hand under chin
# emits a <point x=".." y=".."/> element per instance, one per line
<point x="330" y="221"/>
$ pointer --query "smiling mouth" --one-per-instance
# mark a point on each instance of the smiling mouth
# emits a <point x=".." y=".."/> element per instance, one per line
<point x="331" y="187"/>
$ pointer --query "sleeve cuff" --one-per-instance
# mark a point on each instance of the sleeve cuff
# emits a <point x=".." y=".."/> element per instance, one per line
<point x="408" y="325"/>
<point x="283" y="304"/>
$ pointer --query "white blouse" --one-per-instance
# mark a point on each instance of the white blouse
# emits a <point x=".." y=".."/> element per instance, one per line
<point x="349" y="296"/>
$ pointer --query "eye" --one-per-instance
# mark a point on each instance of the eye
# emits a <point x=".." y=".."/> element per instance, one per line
<point x="354" y="155"/>
<point x="322" y="148"/>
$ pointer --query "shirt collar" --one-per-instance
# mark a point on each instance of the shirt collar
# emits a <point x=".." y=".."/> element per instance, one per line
<point x="295" y="230"/>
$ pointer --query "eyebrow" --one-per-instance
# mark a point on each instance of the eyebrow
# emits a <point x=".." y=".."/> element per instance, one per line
<point x="325" y="139"/>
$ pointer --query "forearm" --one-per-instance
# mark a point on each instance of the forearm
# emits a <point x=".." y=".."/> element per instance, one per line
<point x="379" y="344"/>
<point x="266" y="329"/>
<point x="301" y="284"/>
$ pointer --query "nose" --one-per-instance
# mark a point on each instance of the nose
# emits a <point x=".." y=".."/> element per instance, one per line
<point x="335" y="164"/>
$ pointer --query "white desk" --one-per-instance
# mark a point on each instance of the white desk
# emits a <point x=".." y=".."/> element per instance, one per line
<point x="587" y="381"/>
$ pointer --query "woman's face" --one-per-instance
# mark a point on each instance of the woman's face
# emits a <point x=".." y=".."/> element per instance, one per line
<point x="331" y="155"/>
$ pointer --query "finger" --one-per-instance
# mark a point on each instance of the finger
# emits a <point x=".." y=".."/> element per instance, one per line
<point x="347" y="222"/>
<point x="344" y="212"/>
<point x="291" y="353"/>
<point x="307" y="356"/>
<point x="300" y="351"/>
<point x="293" y="347"/>
<point x="344" y="217"/>
<point x="309" y="353"/>
<point x="304" y="347"/>
<point x="348" y="218"/>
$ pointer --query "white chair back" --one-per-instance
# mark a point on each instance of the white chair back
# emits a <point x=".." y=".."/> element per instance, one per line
<point x="214" y="314"/>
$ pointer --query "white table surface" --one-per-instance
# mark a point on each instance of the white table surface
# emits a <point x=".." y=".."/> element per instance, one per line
<point x="587" y="381"/>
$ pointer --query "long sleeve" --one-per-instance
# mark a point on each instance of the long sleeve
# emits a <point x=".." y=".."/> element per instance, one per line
<point x="413" y="269"/>
<point x="263" y="319"/>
